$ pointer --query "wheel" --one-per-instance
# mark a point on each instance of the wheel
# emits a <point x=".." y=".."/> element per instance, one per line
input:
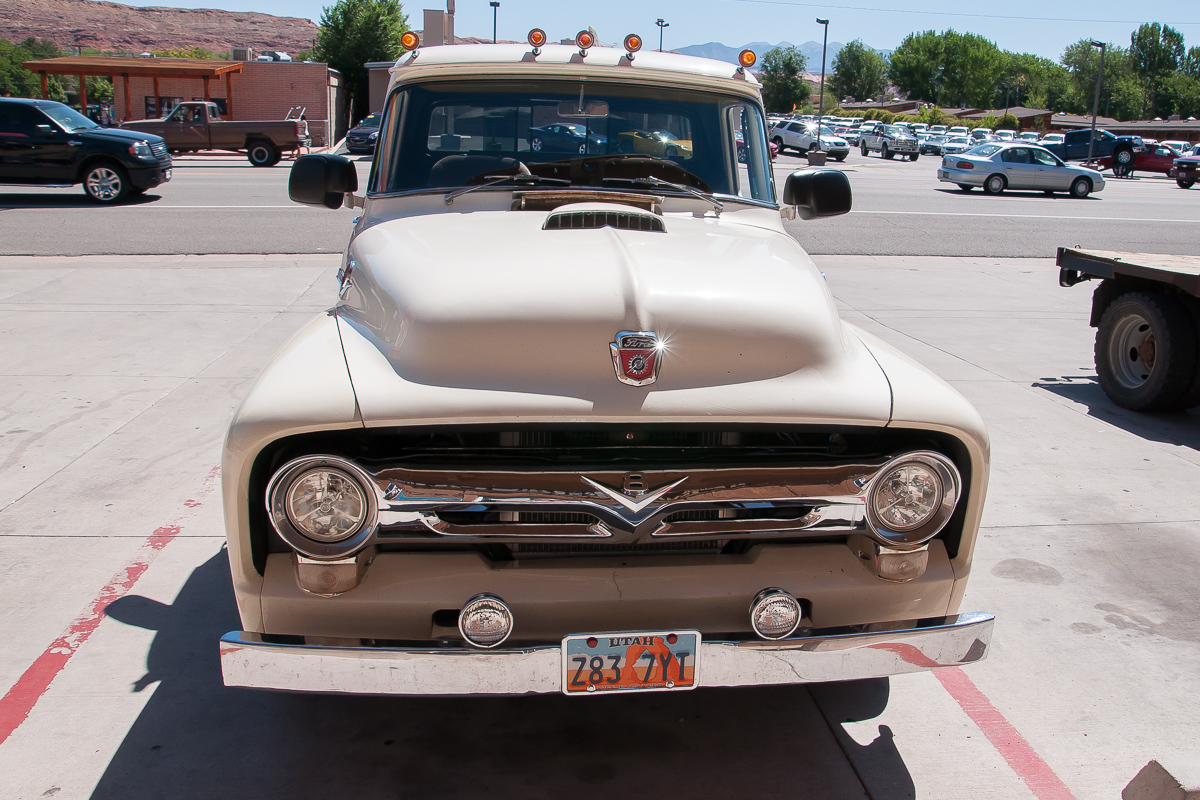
<point x="862" y="148"/>
<point x="1182" y="184"/>
<point x="1145" y="351"/>
<point x="106" y="182"/>
<point x="535" y="144"/>
<point x="1191" y="395"/>
<point x="778" y="140"/>
<point x="741" y="155"/>
<point x="840" y="158"/>
<point x="262" y="154"/>
<point x="583" y="149"/>
<point x="914" y="156"/>
<point x="994" y="184"/>
<point x="966" y="187"/>
<point x="1123" y="157"/>
<point x="885" y="153"/>
<point x="1082" y="187"/>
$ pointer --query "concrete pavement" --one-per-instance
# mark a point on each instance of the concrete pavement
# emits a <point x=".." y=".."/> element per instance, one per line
<point x="119" y="375"/>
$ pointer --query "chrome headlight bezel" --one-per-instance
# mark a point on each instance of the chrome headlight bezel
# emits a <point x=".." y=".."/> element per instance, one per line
<point x="951" y="490"/>
<point x="280" y="486"/>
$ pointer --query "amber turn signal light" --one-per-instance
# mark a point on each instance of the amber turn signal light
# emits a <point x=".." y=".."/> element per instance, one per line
<point x="584" y="40"/>
<point x="747" y="58"/>
<point x="633" y="43"/>
<point x="410" y="41"/>
<point x="536" y="37"/>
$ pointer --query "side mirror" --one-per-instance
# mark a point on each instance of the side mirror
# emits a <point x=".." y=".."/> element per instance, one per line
<point x="818" y="193"/>
<point x="322" y="180"/>
<point x="45" y="131"/>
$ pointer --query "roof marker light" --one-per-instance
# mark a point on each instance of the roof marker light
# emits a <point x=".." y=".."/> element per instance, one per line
<point x="633" y="43"/>
<point x="746" y="59"/>
<point x="410" y="41"/>
<point x="584" y="41"/>
<point x="536" y="39"/>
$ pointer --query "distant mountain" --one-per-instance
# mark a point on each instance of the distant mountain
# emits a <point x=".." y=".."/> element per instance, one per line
<point x="811" y="51"/>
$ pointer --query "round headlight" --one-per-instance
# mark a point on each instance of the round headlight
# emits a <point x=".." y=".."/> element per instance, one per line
<point x="326" y="504"/>
<point x="911" y="498"/>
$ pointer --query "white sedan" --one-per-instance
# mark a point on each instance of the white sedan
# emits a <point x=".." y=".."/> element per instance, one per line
<point x="997" y="167"/>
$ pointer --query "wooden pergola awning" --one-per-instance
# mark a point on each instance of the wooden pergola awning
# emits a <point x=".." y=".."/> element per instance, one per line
<point x="125" y="66"/>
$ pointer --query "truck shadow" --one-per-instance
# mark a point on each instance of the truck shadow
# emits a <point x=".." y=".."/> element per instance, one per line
<point x="196" y="738"/>
<point x="1176" y="427"/>
<point x="75" y="199"/>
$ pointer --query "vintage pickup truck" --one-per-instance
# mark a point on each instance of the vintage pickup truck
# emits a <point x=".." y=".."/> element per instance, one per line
<point x="198" y="126"/>
<point x="1080" y="145"/>
<point x="589" y="422"/>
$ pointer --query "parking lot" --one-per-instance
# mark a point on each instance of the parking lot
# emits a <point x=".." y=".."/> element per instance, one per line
<point x="128" y="335"/>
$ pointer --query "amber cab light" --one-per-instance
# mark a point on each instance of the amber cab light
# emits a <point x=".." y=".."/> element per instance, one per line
<point x="410" y="41"/>
<point x="965" y="165"/>
<point x="633" y="43"/>
<point x="584" y="40"/>
<point x="747" y="58"/>
<point x="536" y="38"/>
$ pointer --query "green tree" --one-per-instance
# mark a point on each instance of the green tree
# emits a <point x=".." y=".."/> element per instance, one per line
<point x="16" y="81"/>
<point x="1118" y="89"/>
<point x="859" y="72"/>
<point x="916" y="66"/>
<point x="1157" y="53"/>
<point x="354" y="32"/>
<point x="971" y="68"/>
<point x="783" y="87"/>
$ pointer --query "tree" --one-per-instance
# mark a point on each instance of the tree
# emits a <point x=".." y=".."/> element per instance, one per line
<point x="1157" y="53"/>
<point x="859" y="72"/>
<point x="354" y="32"/>
<point x="971" y="69"/>
<point x="916" y="66"/>
<point x="16" y="81"/>
<point x="783" y="87"/>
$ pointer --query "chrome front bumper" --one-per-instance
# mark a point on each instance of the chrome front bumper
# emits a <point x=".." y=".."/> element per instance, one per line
<point x="834" y="654"/>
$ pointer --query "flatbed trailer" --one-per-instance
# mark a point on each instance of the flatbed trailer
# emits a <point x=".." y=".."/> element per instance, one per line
<point x="1146" y="312"/>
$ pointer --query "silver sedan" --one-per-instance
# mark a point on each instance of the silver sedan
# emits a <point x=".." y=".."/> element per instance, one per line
<point x="997" y="167"/>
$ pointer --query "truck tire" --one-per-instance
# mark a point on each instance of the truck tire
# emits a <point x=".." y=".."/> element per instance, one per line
<point x="1124" y="157"/>
<point x="1145" y="351"/>
<point x="885" y="153"/>
<point x="1182" y="184"/>
<point x="1191" y="395"/>
<point x="106" y="182"/>
<point x="778" y="140"/>
<point x="994" y="184"/>
<point x="914" y="156"/>
<point x="262" y="154"/>
<point x="862" y="148"/>
<point x="1081" y="188"/>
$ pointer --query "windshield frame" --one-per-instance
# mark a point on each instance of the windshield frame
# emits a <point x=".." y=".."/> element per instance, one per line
<point x="60" y="108"/>
<point x="397" y="106"/>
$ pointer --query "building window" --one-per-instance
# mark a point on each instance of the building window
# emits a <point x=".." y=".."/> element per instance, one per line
<point x="162" y="108"/>
<point x="220" y="101"/>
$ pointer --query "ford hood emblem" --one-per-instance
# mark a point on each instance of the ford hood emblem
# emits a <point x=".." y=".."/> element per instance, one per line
<point x="637" y="356"/>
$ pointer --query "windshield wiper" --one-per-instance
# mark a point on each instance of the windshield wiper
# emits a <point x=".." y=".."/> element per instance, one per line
<point x="717" y="205"/>
<point x="522" y="175"/>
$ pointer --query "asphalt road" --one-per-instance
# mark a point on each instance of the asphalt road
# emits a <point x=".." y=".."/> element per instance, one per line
<point x="220" y="204"/>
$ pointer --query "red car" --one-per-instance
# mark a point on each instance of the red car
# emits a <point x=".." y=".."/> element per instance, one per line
<point x="1155" y="158"/>
<point x="741" y="147"/>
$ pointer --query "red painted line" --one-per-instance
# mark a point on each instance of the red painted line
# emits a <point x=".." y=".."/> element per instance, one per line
<point x="19" y="701"/>
<point x="1021" y="757"/>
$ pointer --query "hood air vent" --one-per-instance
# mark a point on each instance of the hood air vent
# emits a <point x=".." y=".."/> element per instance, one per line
<point x="591" y="220"/>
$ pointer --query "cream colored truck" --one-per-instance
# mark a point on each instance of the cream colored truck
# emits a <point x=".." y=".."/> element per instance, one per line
<point x="195" y="126"/>
<point x="590" y="422"/>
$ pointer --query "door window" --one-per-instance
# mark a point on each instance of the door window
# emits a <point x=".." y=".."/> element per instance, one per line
<point x="18" y="121"/>
<point x="1017" y="155"/>
<point x="1044" y="158"/>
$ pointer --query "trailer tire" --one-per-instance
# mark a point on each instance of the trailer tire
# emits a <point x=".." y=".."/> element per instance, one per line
<point x="1145" y="351"/>
<point x="262" y="154"/>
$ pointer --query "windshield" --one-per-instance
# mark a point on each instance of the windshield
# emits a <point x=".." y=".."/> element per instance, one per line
<point x="370" y="120"/>
<point x="449" y="135"/>
<point x="896" y="130"/>
<point x="67" y="117"/>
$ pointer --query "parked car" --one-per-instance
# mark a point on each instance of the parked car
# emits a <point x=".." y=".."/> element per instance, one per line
<point x="1028" y="136"/>
<point x="653" y="142"/>
<point x="939" y="130"/>
<point x="1005" y="135"/>
<point x="198" y="126"/>
<point x="959" y="130"/>
<point x="572" y="137"/>
<point x="1051" y="138"/>
<point x="44" y="143"/>
<point x="997" y="167"/>
<point x="932" y="145"/>
<point x="890" y="141"/>
<point x="1158" y="158"/>
<point x="1186" y="170"/>
<point x="1178" y="144"/>
<point x="1078" y="145"/>
<point x="361" y="138"/>
<point x="956" y="144"/>
<point x="591" y="430"/>
<point x="802" y="137"/>
<point x="980" y="134"/>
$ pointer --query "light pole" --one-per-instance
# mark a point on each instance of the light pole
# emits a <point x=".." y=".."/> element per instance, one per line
<point x="824" y="23"/>
<point x="661" y="24"/>
<point x="495" y="4"/>
<point x="1096" y="102"/>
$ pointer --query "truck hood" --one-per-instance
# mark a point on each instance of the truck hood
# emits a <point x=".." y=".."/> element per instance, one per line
<point x="119" y="135"/>
<point x="484" y="314"/>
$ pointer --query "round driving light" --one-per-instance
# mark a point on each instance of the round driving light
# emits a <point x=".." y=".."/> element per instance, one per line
<point x="485" y="621"/>
<point x="747" y="58"/>
<point x="410" y="41"/>
<point x="536" y="38"/>
<point x="774" y="614"/>
<point x="326" y="504"/>
<point x="907" y="497"/>
<point x="584" y="40"/>
<point x="633" y="43"/>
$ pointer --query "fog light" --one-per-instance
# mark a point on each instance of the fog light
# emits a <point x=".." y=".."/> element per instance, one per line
<point x="485" y="621"/>
<point x="889" y="563"/>
<point x="774" y="614"/>
<point x="331" y="578"/>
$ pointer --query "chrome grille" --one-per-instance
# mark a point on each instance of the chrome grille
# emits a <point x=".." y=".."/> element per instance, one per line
<point x="621" y="220"/>
<point x="709" y="546"/>
<point x="159" y="149"/>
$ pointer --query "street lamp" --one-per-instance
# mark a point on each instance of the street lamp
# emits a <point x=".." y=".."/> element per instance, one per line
<point x="1096" y="102"/>
<point x="824" y="23"/>
<point x="661" y="24"/>
<point x="495" y="4"/>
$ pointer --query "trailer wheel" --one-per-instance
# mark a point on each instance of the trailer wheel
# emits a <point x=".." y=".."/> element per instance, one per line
<point x="1145" y="351"/>
<point x="262" y="154"/>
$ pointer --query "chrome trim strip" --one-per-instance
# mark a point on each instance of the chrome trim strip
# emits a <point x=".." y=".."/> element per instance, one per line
<point x="834" y="654"/>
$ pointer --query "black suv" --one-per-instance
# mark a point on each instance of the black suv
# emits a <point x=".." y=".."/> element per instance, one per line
<point x="361" y="138"/>
<point x="44" y="143"/>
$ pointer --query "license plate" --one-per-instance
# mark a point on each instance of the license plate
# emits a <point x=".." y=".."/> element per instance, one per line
<point x="598" y="663"/>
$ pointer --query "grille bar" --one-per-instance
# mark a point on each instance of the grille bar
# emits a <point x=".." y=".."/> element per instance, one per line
<point x="591" y="220"/>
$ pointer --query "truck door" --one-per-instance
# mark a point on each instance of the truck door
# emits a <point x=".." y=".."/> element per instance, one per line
<point x="33" y="149"/>
<point x="187" y="127"/>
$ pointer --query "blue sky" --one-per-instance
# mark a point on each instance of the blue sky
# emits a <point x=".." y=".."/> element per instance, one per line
<point x="1045" y="29"/>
